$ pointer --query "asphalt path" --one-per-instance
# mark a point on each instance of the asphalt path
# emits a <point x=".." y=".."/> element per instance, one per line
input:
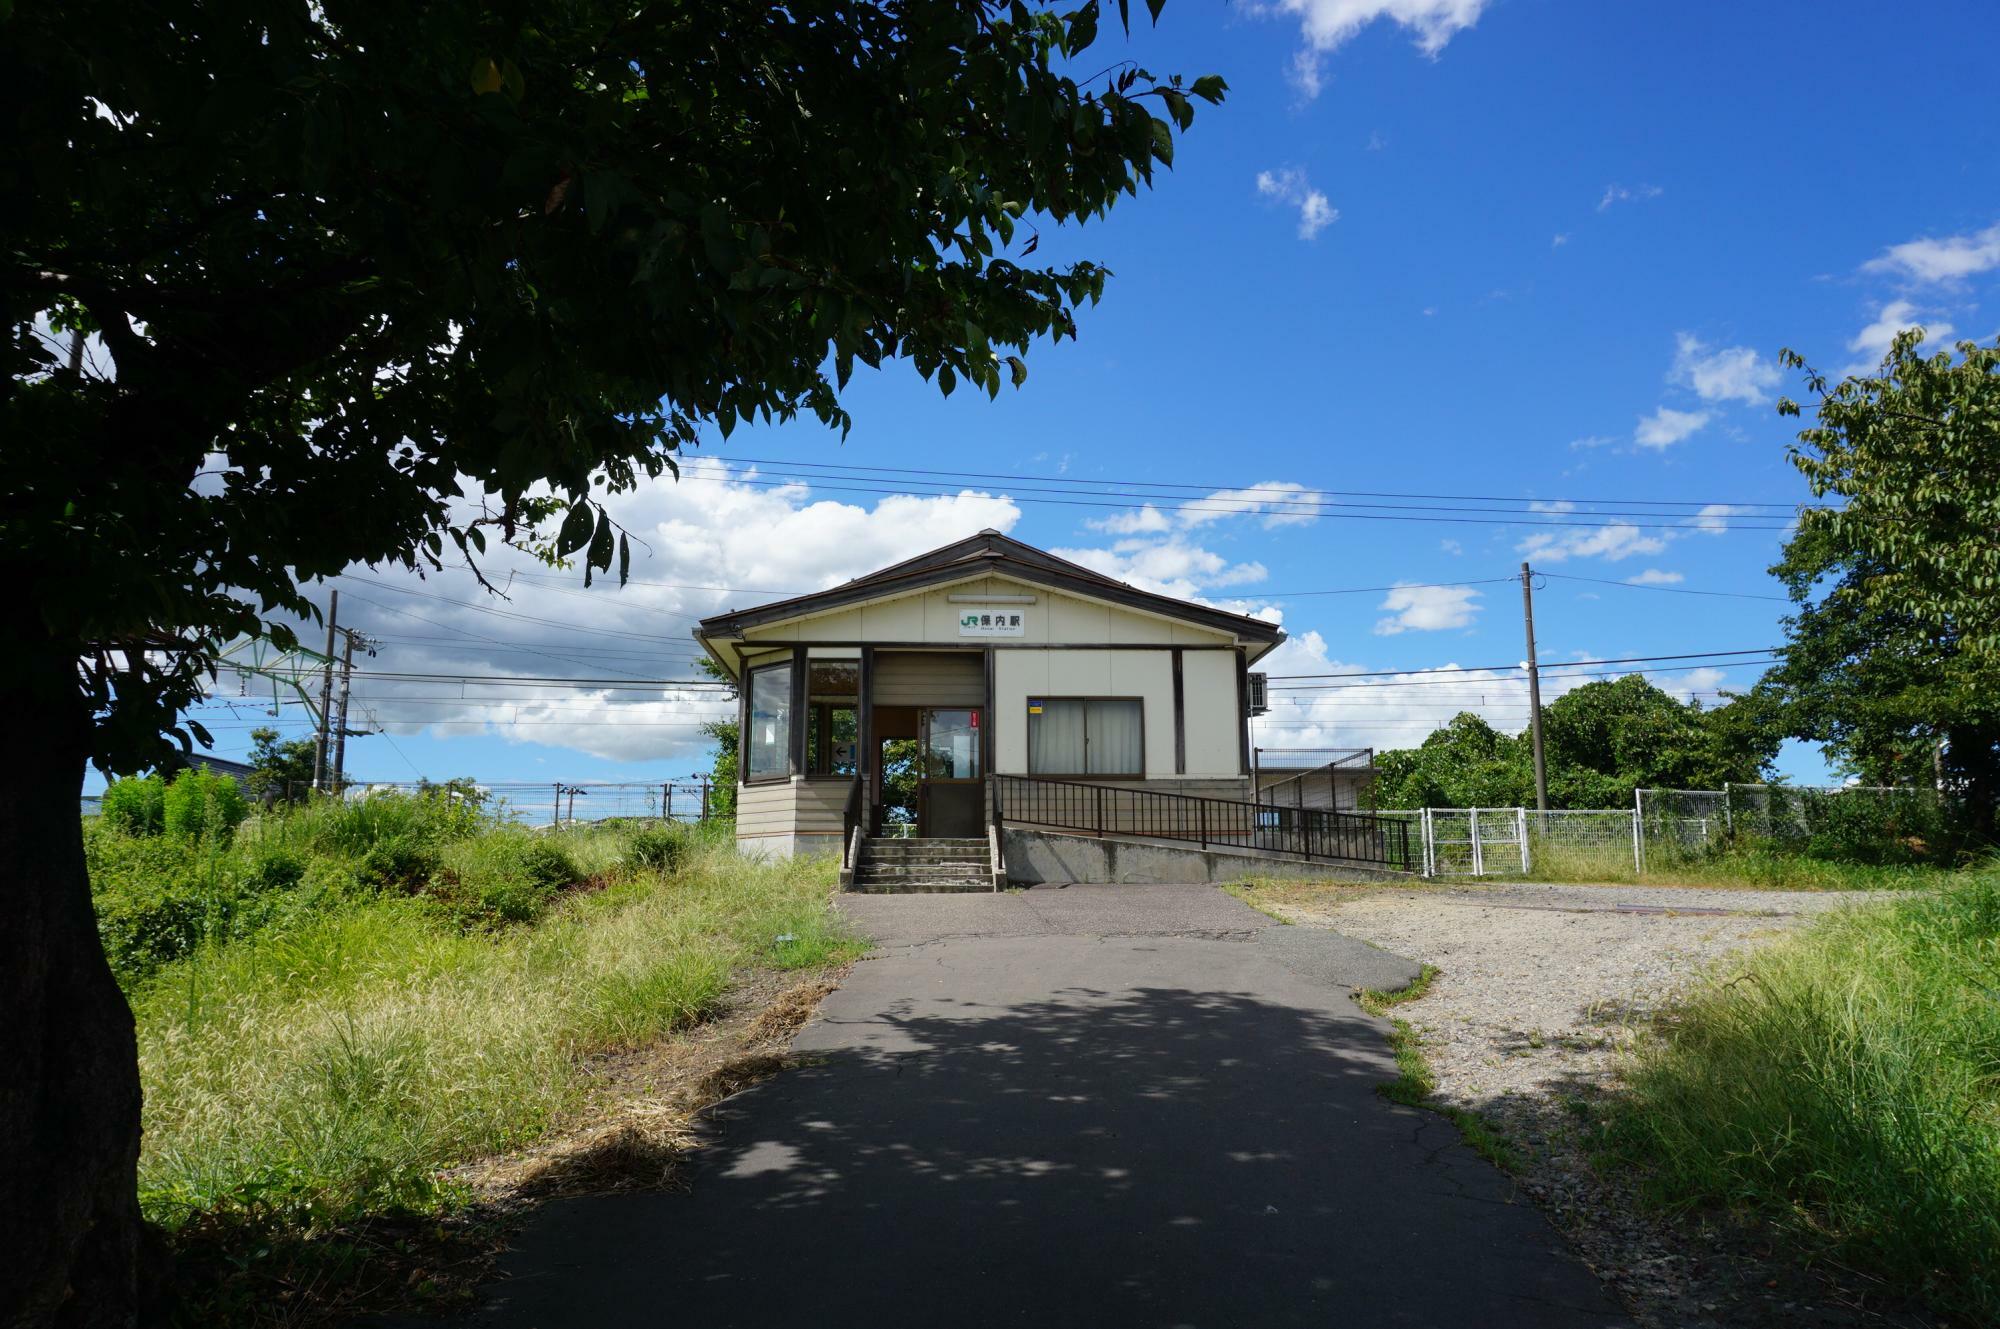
<point x="1084" y="1105"/>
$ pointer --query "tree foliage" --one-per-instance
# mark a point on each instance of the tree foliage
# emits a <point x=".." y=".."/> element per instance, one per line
<point x="1602" y="741"/>
<point x="281" y="769"/>
<point x="373" y="280"/>
<point x="1892" y="659"/>
<point x="376" y="282"/>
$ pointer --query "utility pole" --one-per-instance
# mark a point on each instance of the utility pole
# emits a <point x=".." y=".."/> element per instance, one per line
<point x="1534" y="689"/>
<point x="326" y="694"/>
<point x="349" y="637"/>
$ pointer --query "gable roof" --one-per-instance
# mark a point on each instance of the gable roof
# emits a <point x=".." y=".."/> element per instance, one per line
<point x="988" y="552"/>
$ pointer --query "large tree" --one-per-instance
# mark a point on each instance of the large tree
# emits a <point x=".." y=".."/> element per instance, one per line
<point x="363" y="281"/>
<point x="1892" y="660"/>
<point x="1602" y="741"/>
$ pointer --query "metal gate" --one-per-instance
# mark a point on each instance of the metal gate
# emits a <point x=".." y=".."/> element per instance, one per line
<point x="1477" y="842"/>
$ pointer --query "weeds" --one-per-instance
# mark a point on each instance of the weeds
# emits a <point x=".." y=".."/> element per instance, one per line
<point x="1845" y="1087"/>
<point x="1415" y="1084"/>
<point x="341" y="1002"/>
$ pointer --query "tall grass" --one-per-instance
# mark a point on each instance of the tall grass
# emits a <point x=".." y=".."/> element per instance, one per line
<point x="1754" y="867"/>
<point x="318" y="1072"/>
<point x="1846" y="1086"/>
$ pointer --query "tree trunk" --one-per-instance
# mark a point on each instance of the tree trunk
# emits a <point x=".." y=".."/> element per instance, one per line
<point x="70" y="1232"/>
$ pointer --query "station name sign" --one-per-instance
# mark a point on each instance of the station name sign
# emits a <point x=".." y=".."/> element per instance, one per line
<point x="992" y="623"/>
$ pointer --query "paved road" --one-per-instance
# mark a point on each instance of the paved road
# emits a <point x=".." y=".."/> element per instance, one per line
<point x="1090" y="1105"/>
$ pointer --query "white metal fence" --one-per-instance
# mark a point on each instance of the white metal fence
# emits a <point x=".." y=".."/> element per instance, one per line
<point x="1663" y="829"/>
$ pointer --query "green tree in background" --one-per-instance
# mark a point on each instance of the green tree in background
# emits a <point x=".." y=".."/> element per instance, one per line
<point x="1892" y="661"/>
<point x="1602" y="741"/>
<point x="722" y="773"/>
<point x="281" y="769"/>
<point x="367" y="282"/>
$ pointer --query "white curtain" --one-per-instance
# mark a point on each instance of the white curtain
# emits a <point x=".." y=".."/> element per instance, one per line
<point x="1117" y="739"/>
<point x="1055" y="739"/>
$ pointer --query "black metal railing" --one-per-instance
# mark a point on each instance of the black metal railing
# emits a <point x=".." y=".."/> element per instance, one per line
<point x="1099" y="809"/>
<point x="850" y="817"/>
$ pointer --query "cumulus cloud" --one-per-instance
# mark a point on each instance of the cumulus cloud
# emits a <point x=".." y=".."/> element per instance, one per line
<point x="1427" y="609"/>
<point x="1730" y="373"/>
<point x="1873" y="340"/>
<point x="1623" y="194"/>
<point x="1277" y="502"/>
<point x="1714" y="518"/>
<point x="1327" y="25"/>
<point x="1392" y="711"/>
<point x="1167" y="567"/>
<point x="1289" y="186"/>
<point x="1941" y="259"/>
<point x="1666" y="427"/>
<point x="1620" y="540"/>
<point x="709" y="542"/>
<point x="1145" y="520"/>
<point x="1656" y="577"/>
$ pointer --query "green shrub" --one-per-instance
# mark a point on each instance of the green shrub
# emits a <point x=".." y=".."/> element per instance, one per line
<point x="1844" y="1087"/>
<point x="657" y="849"/>
<point x="136" y="805"/>
<point x="505" y="876"/>
<point x="203" y="803"/>
<point x="398" y="863"/>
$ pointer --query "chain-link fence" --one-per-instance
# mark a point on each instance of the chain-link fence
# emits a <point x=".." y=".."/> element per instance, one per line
<point x="1666" y="829"/>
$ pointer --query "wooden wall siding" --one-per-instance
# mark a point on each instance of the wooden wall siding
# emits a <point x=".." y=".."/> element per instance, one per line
<point x="925" y="678"/>
<point x="767" y="809"/>
<point x="819" y="806"/>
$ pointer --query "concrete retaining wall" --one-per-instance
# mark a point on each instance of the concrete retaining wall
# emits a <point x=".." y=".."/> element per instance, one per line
<point x="1035" y="857"/>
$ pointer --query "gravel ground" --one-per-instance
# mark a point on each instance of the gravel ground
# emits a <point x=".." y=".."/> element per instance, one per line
<point x="1540" y="989"/>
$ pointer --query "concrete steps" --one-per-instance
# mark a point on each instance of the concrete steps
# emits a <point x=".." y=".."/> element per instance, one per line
<point x="895" y="865"/>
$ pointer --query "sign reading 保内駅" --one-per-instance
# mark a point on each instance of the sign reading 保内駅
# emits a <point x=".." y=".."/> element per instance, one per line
<point x="991" y="623"/>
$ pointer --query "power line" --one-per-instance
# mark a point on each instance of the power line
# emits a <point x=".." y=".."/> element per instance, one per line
<point x="1688" y="522"/>
<point x="1186" y="490"/>
<point x="1482" y="669"/>
<point x="1676" y="590"/>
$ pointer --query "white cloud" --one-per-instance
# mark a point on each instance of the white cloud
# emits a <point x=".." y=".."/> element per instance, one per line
<point x="1732" y="373"/>
<point x="1146" y="520"/>
<point x="1167" y="567"/>
<point x="1394" y="711"/>
<point x="1290" y="186"/>
<point x="1590" y="441"/>
<point x="1561" y="239"/>
<point x="689" y="538"/>
<point x="1622" y="194"/>
<point x="1327" y="25"/>
<point x="1452" y="547"/>
<point x="1714" y="519"/>
<point x="1666" y="427"/>
<point x="1655" y="577"/>
<point x="1941" y="259"/>
<point x="1693" y="682"/>
<point x="1620" y="540"/>
<point x="1873" y="340"/>
<point x="1427" y="609"/>
<point x="1278" y="502"/>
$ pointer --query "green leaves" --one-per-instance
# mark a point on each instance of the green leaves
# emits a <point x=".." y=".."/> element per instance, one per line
<point x="440" y="289"/>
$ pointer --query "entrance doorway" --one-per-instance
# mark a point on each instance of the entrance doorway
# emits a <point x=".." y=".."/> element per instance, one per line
<point x="950" y="783"/>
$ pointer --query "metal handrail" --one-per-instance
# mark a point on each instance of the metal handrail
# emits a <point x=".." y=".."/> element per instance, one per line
<point x="1309" y="833"/>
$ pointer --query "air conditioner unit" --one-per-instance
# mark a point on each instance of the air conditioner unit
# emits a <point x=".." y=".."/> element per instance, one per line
<point x="1260" y="694"/>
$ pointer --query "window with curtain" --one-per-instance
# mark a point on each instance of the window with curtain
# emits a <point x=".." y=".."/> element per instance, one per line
<point x="767" y="748"/>
<point x="1086" y="736"/>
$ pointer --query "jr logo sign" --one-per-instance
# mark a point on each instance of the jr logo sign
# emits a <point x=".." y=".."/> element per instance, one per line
<point x="991" y="623"/>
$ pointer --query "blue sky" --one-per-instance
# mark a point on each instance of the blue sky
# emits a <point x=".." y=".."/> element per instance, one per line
<point x="1537" y="250"/>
